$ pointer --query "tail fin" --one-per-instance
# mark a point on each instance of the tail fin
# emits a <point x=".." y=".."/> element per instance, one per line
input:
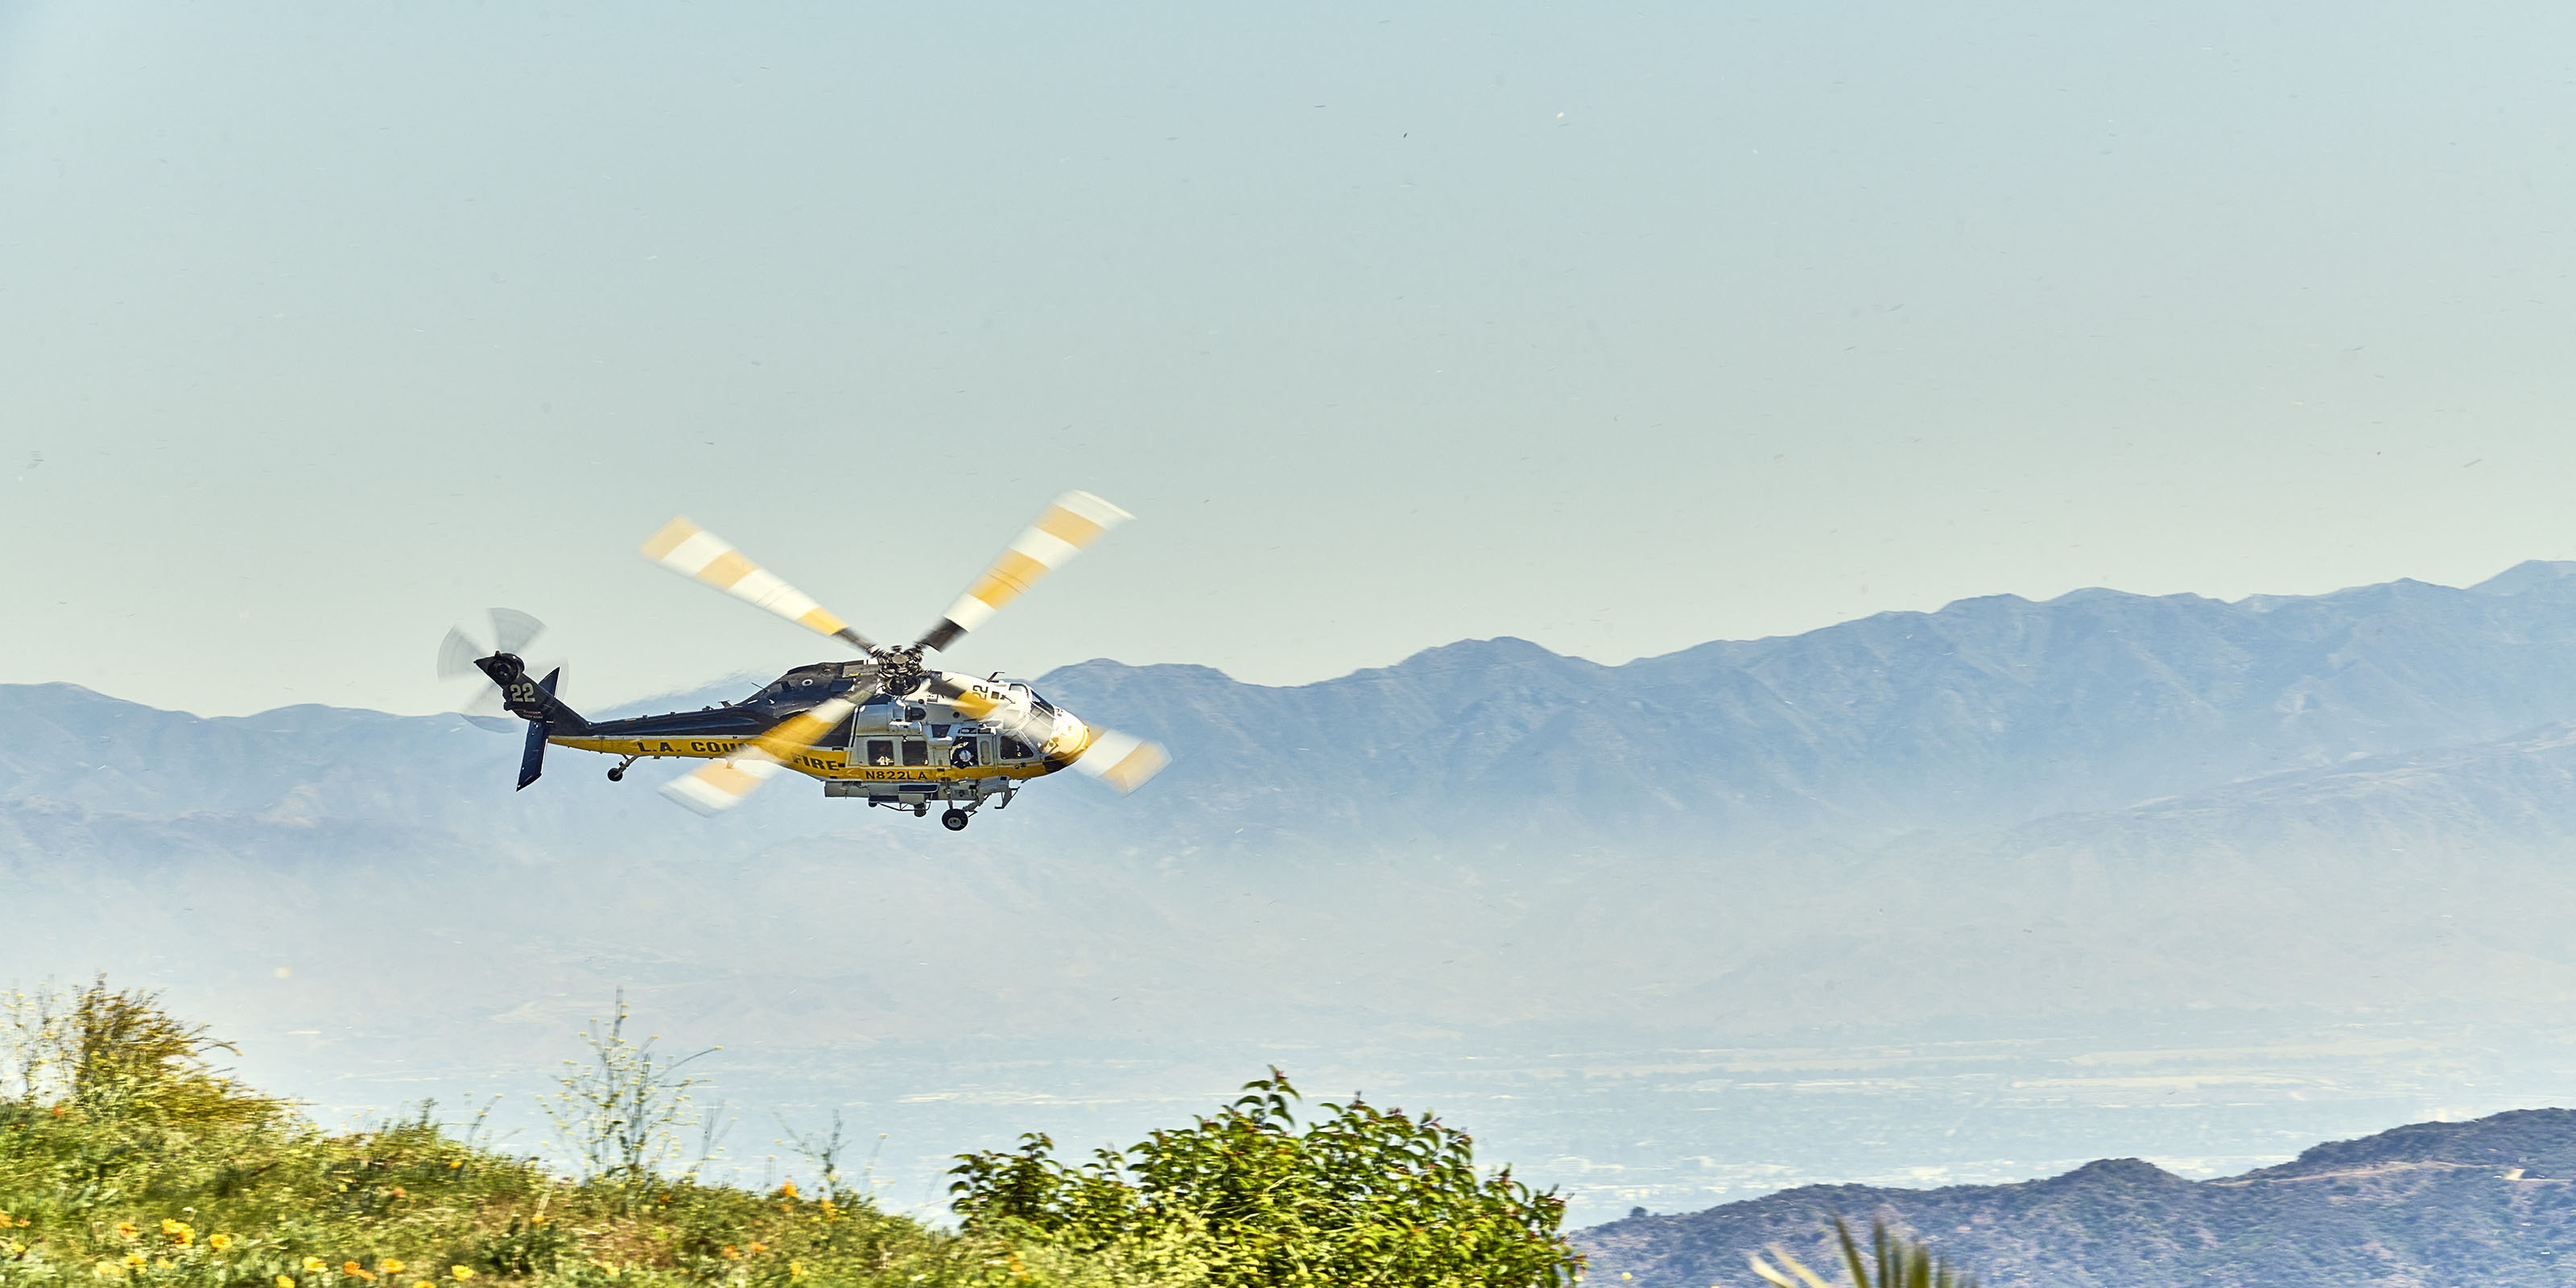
<point x="533" y="701"/>
<point x="545" y="713"/>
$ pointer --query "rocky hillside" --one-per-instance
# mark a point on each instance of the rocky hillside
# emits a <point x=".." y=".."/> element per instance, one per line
<point x="2491" y="1202"/>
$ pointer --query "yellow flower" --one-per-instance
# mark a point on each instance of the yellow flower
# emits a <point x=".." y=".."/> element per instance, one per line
<point x="459" y="1273"/>
<point x="787" y="1189"/>
<point x="795" y="1269"/>
<point x="108" y="1270"/>
<point x="126" y="1230"/>
<point x="17" y="1249"/>
<point x="180" y="1232"/>
<point x="758" y="1248"/>
<point x="135" y="1261"/>
<point x="729" y="1252"/>
<point x="314" y="1266"/>
<point x="356" y="1271"/>
<point x="284" y="1282"/>
<point x="160" y="1263"/>
<point x="219" y="1242"/>
<point x="390" y="1265"/>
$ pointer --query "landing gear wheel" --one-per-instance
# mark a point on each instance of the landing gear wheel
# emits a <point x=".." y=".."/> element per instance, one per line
<point x="617" y="775"/>
<point x="921" y="811"/>
<point x="954" y="820"/>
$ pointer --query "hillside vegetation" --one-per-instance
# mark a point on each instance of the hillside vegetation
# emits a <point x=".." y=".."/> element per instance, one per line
<point x="125" y="1155"/>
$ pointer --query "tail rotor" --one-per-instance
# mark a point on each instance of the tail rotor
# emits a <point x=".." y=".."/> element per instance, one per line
<point x="506" y="683"/>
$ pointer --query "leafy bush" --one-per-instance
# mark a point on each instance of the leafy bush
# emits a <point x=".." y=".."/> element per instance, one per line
<point x="116" y="1054"/>
<point x="1359" y="1196"/>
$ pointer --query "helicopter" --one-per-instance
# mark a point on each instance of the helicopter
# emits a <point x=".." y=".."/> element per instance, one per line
<point x="886" y="728"/>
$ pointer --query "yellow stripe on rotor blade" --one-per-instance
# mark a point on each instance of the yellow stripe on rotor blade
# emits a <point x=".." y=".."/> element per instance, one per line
<point x="1124" y="761"/>
<point x="692" y="551"/>
<point x="1135" y="768"/>
<point x="1070" y="528"/>
<point x="975" y="705"/>
<point x="719" y="785"/>
<point x="659" y="546"/>
<point x="1068" y="524"/>
<point x="795" y="734"/>
<point x="1009" y="578"/>
<point x="726" y="571"/>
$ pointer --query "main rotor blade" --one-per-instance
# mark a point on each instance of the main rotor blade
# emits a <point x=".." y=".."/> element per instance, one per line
<point x="692" y="551"/>
<point x="719" y="785"/>
<point x="1124" y="761"/>
<point x="1074" y="521"/>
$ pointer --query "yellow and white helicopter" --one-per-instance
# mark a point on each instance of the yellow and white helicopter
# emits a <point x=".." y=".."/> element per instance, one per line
<point x="885" y="729"/>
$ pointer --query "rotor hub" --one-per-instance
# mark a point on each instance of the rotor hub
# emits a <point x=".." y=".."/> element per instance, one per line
<point x="505" y="668"/>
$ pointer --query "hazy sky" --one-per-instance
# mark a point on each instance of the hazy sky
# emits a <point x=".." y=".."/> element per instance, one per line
<point x="324" y="326"/>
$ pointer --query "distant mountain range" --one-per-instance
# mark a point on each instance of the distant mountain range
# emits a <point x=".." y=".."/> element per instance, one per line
<point x="1987" y="714"/>
<point x="2490" y="1202"/>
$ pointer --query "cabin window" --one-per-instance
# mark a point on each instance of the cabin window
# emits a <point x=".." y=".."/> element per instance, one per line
<point x="881" y="751"/>
<point x="1012" y="749"/>
<point x="914" y="713"/>
<point x="963" y="755"/>
<point x="916" y="752"/>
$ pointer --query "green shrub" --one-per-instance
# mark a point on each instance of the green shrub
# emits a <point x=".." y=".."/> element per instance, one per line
<point x="1359" y="1196"/>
